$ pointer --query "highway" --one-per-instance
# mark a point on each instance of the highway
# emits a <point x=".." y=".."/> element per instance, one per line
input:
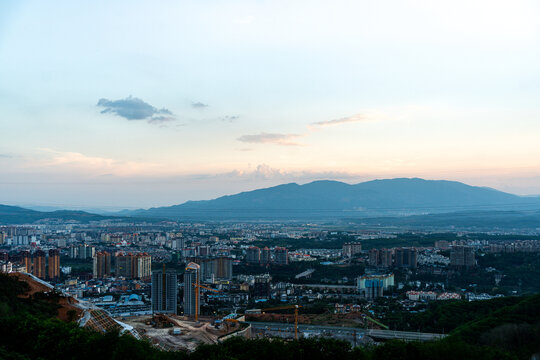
<point x="353" y="335"/>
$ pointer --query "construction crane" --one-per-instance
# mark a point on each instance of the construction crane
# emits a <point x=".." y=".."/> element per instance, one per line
<point x="295" y="307"/>
<point x="206" y="287"/>
<point x="198" y="286"/>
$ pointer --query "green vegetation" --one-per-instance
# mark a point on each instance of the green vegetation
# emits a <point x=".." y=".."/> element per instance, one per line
<point x="508" y="323"/>
<point x="520" y="270"/>
<point x="30" y="331"/>
<point x="441" y="316"/>
<point x="78" y="266"/>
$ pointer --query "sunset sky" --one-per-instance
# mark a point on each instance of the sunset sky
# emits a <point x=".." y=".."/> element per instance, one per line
<point x="124" y="104"/>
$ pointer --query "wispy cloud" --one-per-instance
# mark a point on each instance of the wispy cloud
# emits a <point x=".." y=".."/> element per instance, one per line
<point x="229" y="118"/>
<point x="198" y="105"/>
<point x="345" y="120"/>
<point x="132" y="108"/>
<point x="288" y="139"/>
<point x="95" y="165"/>
<point x="270" y="138"/>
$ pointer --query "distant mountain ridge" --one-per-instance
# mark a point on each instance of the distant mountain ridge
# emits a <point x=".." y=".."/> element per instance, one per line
<point x="327" y="198"/>
<point x="401" y="202"/>
<point x="17" y="215"/>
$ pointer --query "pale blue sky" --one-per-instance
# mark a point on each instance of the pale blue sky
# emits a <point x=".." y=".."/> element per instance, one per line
<point x="286" y="91"/>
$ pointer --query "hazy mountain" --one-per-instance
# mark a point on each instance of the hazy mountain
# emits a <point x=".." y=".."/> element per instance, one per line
<point x="19" y="215"/>
<point x="393" y="202"/>
<point x="337" y="199"/>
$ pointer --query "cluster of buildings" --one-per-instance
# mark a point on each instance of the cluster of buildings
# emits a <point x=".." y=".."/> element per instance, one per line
<point x="396" y="257"/>
<point x="462" y="257"/>
<point x="351" y="249"/>
<point x="127" y="265"/>
<point x="213" y="268"/>
<point x="42" y="264"/>
<point x="264" y="256"/>
<point x="121" y="256"/>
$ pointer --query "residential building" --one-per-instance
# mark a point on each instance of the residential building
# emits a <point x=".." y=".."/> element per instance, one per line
<point x="266" y="256"/>
<point x="406" y="258"/>
<point x="26" y="260"/>
<point x="253" y="255"/>
<point x="54" y="264"/>
<point x="462" y="257"/>
<point x="190" y="292"/>
<point x="39" y="264"/>
<point x="164" y="291"/>
<point x="133" y="266"/>
<point x="372" y="286"/>
<point x="102" y="265"/>
<point x="351" y="249"/>
<point x="281" y="256"/>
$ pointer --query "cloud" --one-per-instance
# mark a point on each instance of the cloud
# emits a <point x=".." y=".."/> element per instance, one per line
<point x="287" y="139"/>
<point x="95" y="165"/>
<point x="345" y="120"/>
<point x="262" y="171"/>
<point x="279" y="176"/>
<point x="229" y="118"/>
<point x="267" y="138"/>
<point x="132" y="108"/>
<point x="198" y="105"/>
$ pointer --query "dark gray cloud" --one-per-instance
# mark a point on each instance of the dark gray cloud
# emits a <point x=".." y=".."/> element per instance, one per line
<point x="198" y="105"/>
<point x="132" y="108"/>
<point x="266" y="138"/>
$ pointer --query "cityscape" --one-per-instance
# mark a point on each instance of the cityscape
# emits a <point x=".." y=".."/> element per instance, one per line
<point x="269" y="180"/>
<point x="181" y="285"/>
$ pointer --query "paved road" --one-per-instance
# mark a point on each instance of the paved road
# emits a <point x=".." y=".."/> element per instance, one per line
<point x="346" y="333"/>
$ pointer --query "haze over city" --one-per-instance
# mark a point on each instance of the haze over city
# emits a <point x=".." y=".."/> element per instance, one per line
<point x="140" y="104"/>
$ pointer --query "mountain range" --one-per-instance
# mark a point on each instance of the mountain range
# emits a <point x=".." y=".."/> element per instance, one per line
<point x="321" y="199"/>
<point x="406" y="201"/>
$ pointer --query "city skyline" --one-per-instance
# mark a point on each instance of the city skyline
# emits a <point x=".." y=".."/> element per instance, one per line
<point x="138" y="104"/>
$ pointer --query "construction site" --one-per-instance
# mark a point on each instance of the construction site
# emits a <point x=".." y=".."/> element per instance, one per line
<point x="172" y="332"/>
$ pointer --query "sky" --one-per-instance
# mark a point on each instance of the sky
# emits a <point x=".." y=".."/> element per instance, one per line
<point x="128" y="104"/>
